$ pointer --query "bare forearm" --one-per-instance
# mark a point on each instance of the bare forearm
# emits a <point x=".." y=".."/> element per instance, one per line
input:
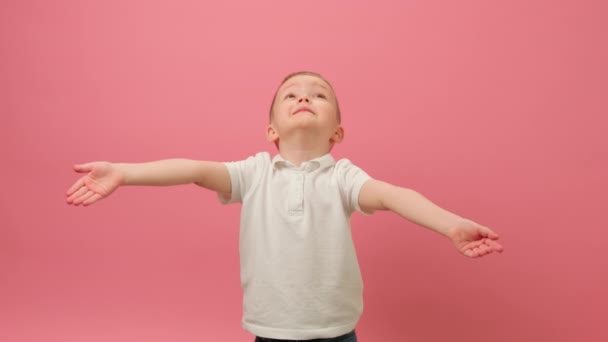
<point x="416" y="208"/>
<point x="161" y="172"/>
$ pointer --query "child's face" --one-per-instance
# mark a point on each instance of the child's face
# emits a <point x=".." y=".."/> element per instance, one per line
<point x="305" y="103"/>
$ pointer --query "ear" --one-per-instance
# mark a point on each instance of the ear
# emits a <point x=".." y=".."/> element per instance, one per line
<point x="271" y="134"/>
<point x="338" y="135"/>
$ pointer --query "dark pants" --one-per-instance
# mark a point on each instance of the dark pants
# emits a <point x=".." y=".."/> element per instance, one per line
<point x="350" y="337"/>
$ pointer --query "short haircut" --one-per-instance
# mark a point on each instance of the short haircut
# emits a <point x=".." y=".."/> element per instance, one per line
<point x="309" y="73"/>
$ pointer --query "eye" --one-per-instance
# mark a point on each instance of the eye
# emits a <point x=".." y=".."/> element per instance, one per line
<point x="290" y="96"/>
<point x="322" y="96"/>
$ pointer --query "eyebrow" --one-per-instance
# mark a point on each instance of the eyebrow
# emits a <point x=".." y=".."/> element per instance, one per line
<point x="316" y="83"/>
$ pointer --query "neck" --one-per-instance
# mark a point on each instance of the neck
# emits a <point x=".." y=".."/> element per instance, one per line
<point x="298" y="150"/>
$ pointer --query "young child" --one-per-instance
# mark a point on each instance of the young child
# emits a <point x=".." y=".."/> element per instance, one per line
<point x="299" y="271"/>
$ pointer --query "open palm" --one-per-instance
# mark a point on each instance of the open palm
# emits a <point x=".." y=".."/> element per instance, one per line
<point x="100" y="180"/>
<point x="473" y="239"/>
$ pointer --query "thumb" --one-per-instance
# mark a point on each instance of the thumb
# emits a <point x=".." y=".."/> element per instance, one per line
<point x="490" y="233"/>
<point x="83" y="167"/>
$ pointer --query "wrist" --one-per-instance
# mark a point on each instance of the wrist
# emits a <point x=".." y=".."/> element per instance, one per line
<point x="452" y="223"/>
<point x="121" y="173"/>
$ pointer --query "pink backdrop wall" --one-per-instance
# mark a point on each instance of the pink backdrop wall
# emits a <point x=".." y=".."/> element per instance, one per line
<point x="495" y="110"/>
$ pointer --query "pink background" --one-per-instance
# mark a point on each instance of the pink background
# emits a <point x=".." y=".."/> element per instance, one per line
<point x="495" y="110"/>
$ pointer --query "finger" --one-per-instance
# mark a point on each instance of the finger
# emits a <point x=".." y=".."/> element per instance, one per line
<point x="471" y="252"/>
<point x="489" y="233"/>
<point x="476" y="252"/>
<point x="473" y="244"/>
<point x="84" y="197"/>
<point x="83" y="190"/>
<point x="83" y="167"/>
<point x="495" y="246"/>
<point x="484" y="249"/>
<point x="92" y="199"/>
<point x="79" y="183"/>
<point x="488" y="249"/>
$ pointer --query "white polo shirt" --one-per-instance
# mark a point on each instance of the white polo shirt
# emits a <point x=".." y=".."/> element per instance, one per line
<point x="299" y="270"/>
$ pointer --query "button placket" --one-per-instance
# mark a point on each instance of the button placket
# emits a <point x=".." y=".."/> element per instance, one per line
<point x="296" y="195"/>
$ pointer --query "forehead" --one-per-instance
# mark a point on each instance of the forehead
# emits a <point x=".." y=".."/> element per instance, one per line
<point x="305" y="80"/>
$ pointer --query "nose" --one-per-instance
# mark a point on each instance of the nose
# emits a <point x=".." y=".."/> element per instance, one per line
<point x="304" y="99"/>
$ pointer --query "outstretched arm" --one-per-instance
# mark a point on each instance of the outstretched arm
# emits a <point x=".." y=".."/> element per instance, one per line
<point x="103" y="178"/>
<point x="470" y="238"/>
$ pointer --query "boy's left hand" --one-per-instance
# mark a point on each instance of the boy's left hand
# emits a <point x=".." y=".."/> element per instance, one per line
<point x="473" y="239"/>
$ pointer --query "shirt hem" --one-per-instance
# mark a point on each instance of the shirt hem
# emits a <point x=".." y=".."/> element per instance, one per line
<point x="298" y="334"/>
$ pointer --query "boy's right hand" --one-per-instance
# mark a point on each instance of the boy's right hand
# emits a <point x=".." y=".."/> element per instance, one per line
<point x="100" y="180"/>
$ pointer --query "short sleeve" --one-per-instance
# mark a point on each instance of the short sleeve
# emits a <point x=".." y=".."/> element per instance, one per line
<point x="350" y="179"/>
<point x="243" y="176"/>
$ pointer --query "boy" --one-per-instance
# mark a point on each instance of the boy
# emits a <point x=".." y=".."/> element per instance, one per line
<point x="299" y="270"/>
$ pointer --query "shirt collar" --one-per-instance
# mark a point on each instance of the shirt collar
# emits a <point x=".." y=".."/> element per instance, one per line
<point x="309" y="166"/>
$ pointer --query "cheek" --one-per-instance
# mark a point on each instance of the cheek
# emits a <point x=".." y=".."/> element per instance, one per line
<point x="281" y="112"/>
<point x="331" y="108"/>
